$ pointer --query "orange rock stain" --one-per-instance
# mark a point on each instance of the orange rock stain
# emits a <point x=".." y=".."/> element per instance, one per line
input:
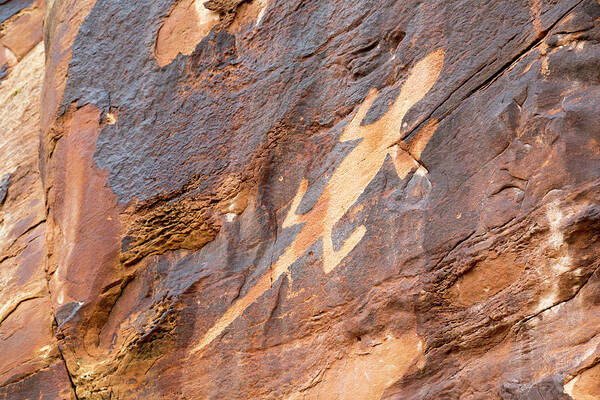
<point x="183" y="29"/>
<point x="365" y="374"/>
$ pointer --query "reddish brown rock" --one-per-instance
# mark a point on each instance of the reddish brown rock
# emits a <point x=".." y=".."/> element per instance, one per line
<point x="309" y="200"/>
<point x="20" y="30"/>
<point x="25" y="31"/>
<point x="185" y="26"/>
<point x="32" y="366"/>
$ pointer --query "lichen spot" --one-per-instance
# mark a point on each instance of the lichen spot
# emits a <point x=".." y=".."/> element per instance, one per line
<point x="185" y="26"/>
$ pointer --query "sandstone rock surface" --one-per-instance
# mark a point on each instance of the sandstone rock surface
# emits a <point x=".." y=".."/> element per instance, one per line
<point x="31" y="365"/>
<point x="268" y="199"/>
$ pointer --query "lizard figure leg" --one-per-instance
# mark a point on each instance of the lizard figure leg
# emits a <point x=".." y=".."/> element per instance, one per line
<point x="354" y="130"/>
<point x="403" y="161"/>
<point x="292" y="218"/>
<point x="332" y="258"/>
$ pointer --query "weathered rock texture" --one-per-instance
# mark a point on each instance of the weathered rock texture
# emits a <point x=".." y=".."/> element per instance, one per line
<point x="275" y="199"/>
<point x="31" y="364"/>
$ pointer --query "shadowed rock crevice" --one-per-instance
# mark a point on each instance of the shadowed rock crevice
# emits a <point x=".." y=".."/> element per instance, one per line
<point x="4" y="182"/>
<point x="64" y="362"/>
<point x="10" y="311"/>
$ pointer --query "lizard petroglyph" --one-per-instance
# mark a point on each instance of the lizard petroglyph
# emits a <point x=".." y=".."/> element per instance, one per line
<point x="347" y="183"/>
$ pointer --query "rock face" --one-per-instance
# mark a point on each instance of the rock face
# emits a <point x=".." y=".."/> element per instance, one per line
<point x="273" y="199"/>
<point x="20" y="30"/>
<point x="31" y="365"/>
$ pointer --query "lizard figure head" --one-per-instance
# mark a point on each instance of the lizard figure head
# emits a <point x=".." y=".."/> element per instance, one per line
<point x="420" y="80"/>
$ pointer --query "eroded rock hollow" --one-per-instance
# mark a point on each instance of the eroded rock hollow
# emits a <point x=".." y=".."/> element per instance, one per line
<point x="275" y="199"/>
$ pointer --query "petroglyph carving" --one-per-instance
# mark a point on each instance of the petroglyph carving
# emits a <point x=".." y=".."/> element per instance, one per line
<point x="348" y="182"/>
